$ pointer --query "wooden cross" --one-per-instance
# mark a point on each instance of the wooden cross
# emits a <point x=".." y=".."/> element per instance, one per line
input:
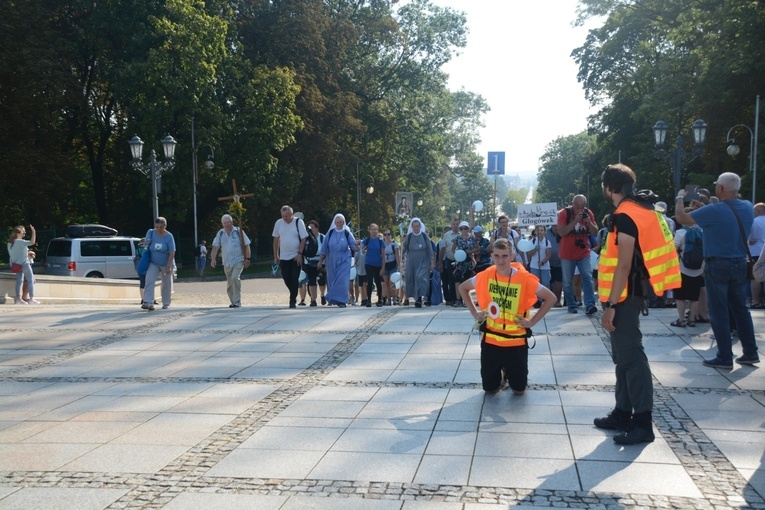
<point x="236" y="196"/>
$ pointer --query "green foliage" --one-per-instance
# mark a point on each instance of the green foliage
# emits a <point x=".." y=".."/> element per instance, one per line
<point x="675" y="61"/>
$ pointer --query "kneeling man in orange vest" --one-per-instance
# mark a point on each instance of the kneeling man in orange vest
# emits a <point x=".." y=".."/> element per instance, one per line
<point x="506" y="293"/>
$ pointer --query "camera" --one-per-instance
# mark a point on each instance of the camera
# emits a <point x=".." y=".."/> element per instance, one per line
<point x="580" y="244"/>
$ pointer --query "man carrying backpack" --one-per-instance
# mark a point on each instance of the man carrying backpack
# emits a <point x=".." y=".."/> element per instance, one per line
<point x="289" y="241"/>
<point x="235" y="250"/>
<point x="200" y="253"/>
<point x="691" y="253"/>
<point x="311" y="259"/>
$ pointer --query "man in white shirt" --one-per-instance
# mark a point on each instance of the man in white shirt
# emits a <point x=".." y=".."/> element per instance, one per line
<point x="289" y="240"/>
<point x="446" y="262"/>
<point x="235" y="249"/>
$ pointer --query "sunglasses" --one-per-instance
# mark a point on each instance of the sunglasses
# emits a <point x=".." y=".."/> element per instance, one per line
<point x="464" y="228"/>
<point x="386" y="233"/>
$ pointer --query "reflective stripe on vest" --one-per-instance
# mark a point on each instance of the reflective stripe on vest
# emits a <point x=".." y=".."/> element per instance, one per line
<point x="656" y="246"/>
<point x="515" y="297"/>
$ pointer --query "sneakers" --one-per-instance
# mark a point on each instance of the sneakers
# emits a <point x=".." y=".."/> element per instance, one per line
<point x="234" y="305"/>
<point x="718" y="363"/>
<point x="616" y="420"/>
<point x="418" y="304"/>
<point x="145" y="305"/>
<point x="20" y="302"/>
<point x="380" y="304"/>
<point x="165" y="307"/>
<point x="150" y="307"/>
<point x="635" y="434"/>
<point x="591" y="310"/>
<point x="747" y="360"/>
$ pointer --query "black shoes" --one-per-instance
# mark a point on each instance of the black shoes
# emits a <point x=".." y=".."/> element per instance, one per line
<point x="747" y="360"/>
<point x="616" y="420"/>
<point x="718" y="363"/>
<point x="302" y="303"/>
<point x="592" y="310"/>
<point x="313" y="303"/>
<point x="418" y="304"/>
<point x="635" y="434"/>
<point x="323" y="300"/>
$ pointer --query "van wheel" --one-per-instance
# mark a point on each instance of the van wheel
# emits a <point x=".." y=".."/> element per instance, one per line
<point x="95" y="275"/>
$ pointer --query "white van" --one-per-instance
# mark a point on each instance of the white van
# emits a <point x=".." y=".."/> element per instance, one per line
<point x="93" y="257"/>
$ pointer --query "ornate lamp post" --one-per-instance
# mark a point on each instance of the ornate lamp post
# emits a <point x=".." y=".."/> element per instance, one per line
<point x="734" y="149"/>
<point x="678" y="155"/>
<point x="209" y="164"/>
<point x="154" y="169"/>
<point x="370" y="189"/>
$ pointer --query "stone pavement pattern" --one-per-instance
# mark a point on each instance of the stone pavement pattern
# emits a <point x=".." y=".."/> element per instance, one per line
<point x="269" y="408"/>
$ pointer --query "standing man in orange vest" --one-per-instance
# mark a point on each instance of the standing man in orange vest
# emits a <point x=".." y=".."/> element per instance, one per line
<point x="639" y="243"/>
<point x="506" y="292"/>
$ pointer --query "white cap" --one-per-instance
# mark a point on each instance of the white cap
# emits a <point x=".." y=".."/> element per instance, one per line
<point x="464" y="224"/>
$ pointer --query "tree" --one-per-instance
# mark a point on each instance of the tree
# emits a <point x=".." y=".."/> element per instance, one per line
<point x="564" y="169"/>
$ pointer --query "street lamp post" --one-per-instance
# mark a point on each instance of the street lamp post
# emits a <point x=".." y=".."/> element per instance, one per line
<point x="734" y="149"/>
<point x="154" y="169"/>
<point x="209" y="165"/>
<point x="370" y="189"/>
<point x="678" y="155"/>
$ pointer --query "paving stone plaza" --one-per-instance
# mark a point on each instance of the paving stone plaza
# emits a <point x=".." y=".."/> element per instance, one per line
<point x="263" y="407"/>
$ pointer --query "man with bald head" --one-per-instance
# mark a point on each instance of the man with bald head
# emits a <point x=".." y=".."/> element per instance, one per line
<point x="576" y="224"/>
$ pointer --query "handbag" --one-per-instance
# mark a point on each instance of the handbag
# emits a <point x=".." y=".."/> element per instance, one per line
<point x="749" y="260"/>
<point x="16" y="268"/>
<point x="143" y="264"/>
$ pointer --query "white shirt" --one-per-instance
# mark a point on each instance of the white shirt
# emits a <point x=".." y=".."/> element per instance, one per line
<point x="289" y="237"/>
<point x="540" y="254"/>
<point x="758" y="234"/>
<point x="446" y="242"/>
<point x="231" y="247"/>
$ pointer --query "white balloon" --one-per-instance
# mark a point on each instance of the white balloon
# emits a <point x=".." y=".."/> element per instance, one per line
<point x="594" y="260"/>
<point x="353" y="273"/>
<point x="395" y="277"/>
<point x="398" y="284"/>
<point x="302" y="276"/>
<point x="460" y="255"/>
<point x="525" y="245"/>
<point x="478" y="206"/>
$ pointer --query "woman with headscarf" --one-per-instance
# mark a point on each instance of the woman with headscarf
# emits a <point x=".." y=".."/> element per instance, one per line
<point x="336" y="253"/>
<point x="418" y="253"/>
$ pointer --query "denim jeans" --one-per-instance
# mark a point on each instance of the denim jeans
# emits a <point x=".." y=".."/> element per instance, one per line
<point x="542" y="274"/>
<point x="25" y="274"/>
<point x="585" y="269"/>
<point x="727" y="284"/>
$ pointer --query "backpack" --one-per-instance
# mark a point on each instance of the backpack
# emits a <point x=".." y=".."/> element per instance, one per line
<point x="347" y="240"/>
<point x="311" y="247"/>
<point x="693" y="251"/>
<point x="198" y="251"/>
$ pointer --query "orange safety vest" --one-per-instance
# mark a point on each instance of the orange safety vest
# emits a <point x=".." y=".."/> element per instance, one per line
<point x="513" y="296"/>
<point x="656" y="246"/>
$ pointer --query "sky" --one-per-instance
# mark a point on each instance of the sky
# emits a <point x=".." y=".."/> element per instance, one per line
<point x="518" y="58"/>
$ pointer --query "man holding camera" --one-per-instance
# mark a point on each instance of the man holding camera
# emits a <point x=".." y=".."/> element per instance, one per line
<point x="576" y="224"/>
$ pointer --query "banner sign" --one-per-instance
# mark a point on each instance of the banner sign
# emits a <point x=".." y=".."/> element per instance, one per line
<point x="538" y="214"/>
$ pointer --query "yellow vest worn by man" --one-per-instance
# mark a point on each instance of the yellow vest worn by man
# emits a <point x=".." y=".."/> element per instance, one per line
<point x="510" y="298"/>
<point x="657" y="248"/>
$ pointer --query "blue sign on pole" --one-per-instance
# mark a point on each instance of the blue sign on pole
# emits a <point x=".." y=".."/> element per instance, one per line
<point x="496" y="163"/>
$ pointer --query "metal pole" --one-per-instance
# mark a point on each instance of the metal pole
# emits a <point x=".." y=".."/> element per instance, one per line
<point x="358" y="200"/>
<point x="677" y="163"/>
<point x="194" y="170"/>
<point x="155" y="198"/>
<point x="753" y="153"/>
